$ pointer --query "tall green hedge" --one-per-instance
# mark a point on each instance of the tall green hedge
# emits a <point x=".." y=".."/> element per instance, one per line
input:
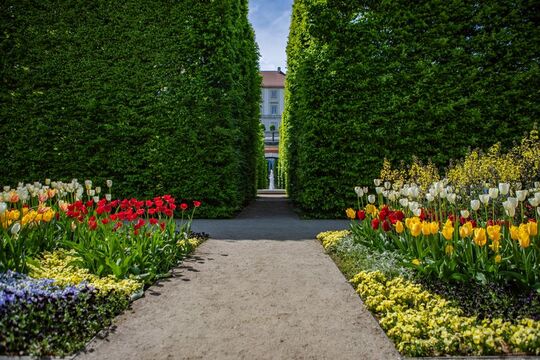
<point x="374" y="79"/>
<point x="159" y="95"/>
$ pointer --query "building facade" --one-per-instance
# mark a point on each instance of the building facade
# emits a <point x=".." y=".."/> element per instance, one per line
<point x="272" y="106"/>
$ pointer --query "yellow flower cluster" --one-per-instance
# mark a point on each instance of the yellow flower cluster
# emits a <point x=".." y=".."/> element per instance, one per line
<point x="191" y="243"/>
<point x="425" y="324"/>
<point x="423" y="175"/>
<point x="331" y="238"/>
<point x="29" y="216"/>
<point x="56" y="265"/>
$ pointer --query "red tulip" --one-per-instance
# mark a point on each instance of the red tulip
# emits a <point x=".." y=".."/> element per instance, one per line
<point x="196" y="203"/>
<point x="375" y="223"/>
<point x="386" y="225"/>
<point x="183" y="206"/>
<point x="361" y="214"/>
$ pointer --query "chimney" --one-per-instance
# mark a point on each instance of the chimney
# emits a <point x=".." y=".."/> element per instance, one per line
<point x="279" y="69"/>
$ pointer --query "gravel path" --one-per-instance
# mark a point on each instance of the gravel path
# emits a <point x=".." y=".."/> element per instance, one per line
<point x="248" y="299"/>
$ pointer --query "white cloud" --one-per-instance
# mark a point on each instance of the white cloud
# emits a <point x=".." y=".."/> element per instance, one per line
<point x="271" y="21"/>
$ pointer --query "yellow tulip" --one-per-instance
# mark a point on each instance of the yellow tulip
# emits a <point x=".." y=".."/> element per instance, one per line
<point x="14" y="215"/>
<point x="449" y="249"/>
<point x="448" y="223"/>
<point x="371" y="209"/>
<point x="399" y="227"/>
<point x="409" y="222"/>
<point x="426" y="228"/>
<point x="480" y="238"/>
<point x="448" y="232"/>
<point x="434" y="227"/>
<point x="495" y="245"/>
<point x="494" y="232"/>
<point x="416" y="229"/>
<point x="514" y="232"/>
<point x="498" y="258"/>
<point x="466" y="229"/>
<point x="532" y="227"/>
<point x="416" y="262"/>
<point x="47" y="217"/>
<point x="351" y="214"/>
<point x="524" y="238"/>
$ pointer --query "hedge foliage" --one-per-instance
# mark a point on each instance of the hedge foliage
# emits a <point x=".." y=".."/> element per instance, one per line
<point x="160" y="96"/>
<point x="397" y="79"/>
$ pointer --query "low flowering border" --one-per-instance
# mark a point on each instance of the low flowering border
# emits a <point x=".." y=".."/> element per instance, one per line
<point x="425" y="324"/>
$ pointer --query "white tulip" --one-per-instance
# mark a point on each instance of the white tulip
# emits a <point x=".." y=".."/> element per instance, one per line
<point x="493" y="193"/>
<point x="385" y="193"/>
<point x="47" y="181"/>
<point x="371" y="198"/>
<point x="88" y="184"/>
<point x="475" y="205"/>
<point x="108" y="197"/>
<point x="404" y="202"/>
<point x="15" y="228"/>
<point x="534" y="202"/>
<point x="413" y="205"/>
<point x="358" y="190"/>
<point x="451" y="198"/>
<point x="98" y="189"/>
<point x="387" y="185"/>
<point x="537" y="196"/>
<point x="413" y="192"/>
<point x="377" y="182"/>
<point x="521" y="195"/>
<point x="510" y="211"/>
<point x="365" y="189"/>
<point x="92" y="192"/>
<point x="513" y="201"/>
<point x="96" y="199"/>
<point x="484" y="198"/>
<point x="7" y="188"/>
<point x="109" y="184"/>
<point x="417" y="212"/>
<point x="3" y="207"/>
<point x="393" y="196"/>
<point x="443" y="194"/>
<point x="379" y="189"/>
<point x="430" y="197"/>
<point x="449" y="189"/>
<point x="504" y="188"/>
<point x="465" y="214"/>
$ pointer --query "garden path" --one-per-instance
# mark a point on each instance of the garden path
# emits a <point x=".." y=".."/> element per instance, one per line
<point x="244" y="295"/>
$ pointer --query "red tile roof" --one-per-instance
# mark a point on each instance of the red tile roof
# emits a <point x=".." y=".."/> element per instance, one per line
<point x="273" y="79"/>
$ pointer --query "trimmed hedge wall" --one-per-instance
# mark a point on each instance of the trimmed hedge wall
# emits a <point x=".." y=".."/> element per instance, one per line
<point x="396" y="79"/>
<point x="160" y="96"/>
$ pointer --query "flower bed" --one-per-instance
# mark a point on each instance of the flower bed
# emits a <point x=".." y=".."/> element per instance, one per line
<point x="71" y="259"/>
<point x="421" y="322"/>
<point x="471" y="238"/>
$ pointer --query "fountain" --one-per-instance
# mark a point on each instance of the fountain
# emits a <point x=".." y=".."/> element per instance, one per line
<point x="271" y="180"/>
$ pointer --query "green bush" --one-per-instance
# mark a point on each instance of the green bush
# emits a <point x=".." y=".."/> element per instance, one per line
<point x="160" y="96"/>
<point x="368" y="80"/>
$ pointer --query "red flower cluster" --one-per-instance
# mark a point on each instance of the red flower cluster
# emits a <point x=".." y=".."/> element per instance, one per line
<point x="131" y="210"/>
<point x="386" y="218"/>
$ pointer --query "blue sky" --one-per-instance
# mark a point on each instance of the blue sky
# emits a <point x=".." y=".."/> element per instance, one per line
<point x="271" y="20"/>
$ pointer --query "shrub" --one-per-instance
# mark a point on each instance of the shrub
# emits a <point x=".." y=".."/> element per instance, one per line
<point x="162" y="97"/>
<point x="368" y="80"/>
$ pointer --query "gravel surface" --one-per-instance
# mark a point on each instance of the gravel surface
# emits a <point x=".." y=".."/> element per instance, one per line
<point x="250" y="299"/>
